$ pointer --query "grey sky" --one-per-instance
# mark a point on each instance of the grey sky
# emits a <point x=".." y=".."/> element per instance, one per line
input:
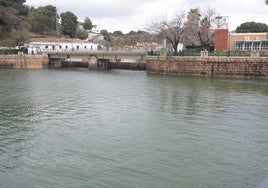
<point x="126" y="15"/>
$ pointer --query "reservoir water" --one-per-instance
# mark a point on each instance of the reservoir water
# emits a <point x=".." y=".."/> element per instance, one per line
<point x="124" y="129"/>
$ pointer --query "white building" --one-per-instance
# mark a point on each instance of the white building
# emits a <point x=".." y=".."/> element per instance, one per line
<point x="42" y="45"/>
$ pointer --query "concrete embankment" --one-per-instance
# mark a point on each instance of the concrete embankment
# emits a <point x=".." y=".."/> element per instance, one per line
<point x="24" y="61"/>
<point x="251" y="67"/>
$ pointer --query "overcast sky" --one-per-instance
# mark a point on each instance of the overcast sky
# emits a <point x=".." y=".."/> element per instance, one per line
<point x="127" y="15"/>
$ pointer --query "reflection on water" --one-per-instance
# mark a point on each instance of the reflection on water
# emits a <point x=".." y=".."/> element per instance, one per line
<point x="80" y="128"/>
<point x="15" y="121"/>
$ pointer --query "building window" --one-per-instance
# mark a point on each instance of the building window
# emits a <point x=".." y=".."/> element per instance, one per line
<point x="91" y="47"/>
<point x="46" y="47"/>
<point x="239" y="46"/>
<point x="256" y="45"/>
<point x="53" y="47"/>
<point x="77" y="47"/>
<point x="60" y="47"/>
<point x="264" y="45"/>
<point x="248" y="45"/>
<point x="85" y="47"/>
<point x="66" y="47"/>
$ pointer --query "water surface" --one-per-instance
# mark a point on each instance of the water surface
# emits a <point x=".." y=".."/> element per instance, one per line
<point x="80" y="128"/>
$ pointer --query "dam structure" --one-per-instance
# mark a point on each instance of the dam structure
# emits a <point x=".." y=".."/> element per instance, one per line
<point x="203" y="65"/>
<point x="99" y="60"/>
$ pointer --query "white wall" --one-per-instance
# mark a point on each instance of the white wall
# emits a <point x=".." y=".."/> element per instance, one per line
<point x="60" y="47"/>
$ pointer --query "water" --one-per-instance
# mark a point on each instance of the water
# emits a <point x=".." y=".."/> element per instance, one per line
<point x="80" y="128"/>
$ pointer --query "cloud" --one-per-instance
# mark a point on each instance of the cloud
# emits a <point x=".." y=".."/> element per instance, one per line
<point x="126" y="15"/>
<point x="96" y="9"/>
<point x="243" y="11"/>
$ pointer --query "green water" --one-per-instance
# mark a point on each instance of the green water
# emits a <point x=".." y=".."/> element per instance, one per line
<point x="123" y="129"/>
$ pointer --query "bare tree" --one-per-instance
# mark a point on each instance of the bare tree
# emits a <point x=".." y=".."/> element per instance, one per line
<point x="199" y="26"/>
<point x="171" y="30"/>
<point x="193" y="28"/>
<point x="18" y="36"/>
<point x="206" y="24"/>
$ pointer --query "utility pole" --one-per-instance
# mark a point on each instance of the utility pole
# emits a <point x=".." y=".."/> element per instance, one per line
<point x="222" y="22"/>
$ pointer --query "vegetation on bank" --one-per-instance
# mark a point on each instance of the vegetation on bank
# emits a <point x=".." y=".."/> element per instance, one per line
<point x="20" y="22"/>
<point x="252" y="27"/>
<point x="8" y="51"/>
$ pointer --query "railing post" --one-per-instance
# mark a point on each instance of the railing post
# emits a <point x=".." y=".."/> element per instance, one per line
<point x="204" y="53"/>
<point x="254" y="54"/>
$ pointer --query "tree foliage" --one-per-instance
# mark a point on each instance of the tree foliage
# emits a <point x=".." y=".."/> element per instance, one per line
<point x="18" y="22"/>
<point x="16" y="4"/>
<point x="19" y="36"/>
<point x="87" y="24"/>
<point x="192" y="26"/>
<point x="47" y="15"/>
<point x="194" y="29"/>
<point x="68" y="23"/>
<point x="199" y="27"/>
<point x="208" y="20"/>
<point x="118" y="33"/>
<point x="118" y="39"/>
<point x="82" y="34"/>
<point x="252" y="27"/>
<point x="12" y="13"/>
<point x="107" y="36"/>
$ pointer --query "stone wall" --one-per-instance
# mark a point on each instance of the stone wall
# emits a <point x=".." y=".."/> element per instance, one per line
<point x="210" y="66"/>
<point x="24" y="61"/>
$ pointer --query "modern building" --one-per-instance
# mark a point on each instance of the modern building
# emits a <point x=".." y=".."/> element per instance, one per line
<point x="248" y="41"/>
<point x="41" y="45"/>
<point x="225" y="40"/>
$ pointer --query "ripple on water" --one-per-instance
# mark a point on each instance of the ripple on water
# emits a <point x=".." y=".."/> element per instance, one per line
<point x="75" y="128"/>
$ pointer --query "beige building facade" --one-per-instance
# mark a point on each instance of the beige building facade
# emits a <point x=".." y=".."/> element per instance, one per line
<point x="248" y="41"/>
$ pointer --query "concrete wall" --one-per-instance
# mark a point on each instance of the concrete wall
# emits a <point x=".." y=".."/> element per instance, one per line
<point x="210" y="66"/>
<point x="24" y="61"/>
